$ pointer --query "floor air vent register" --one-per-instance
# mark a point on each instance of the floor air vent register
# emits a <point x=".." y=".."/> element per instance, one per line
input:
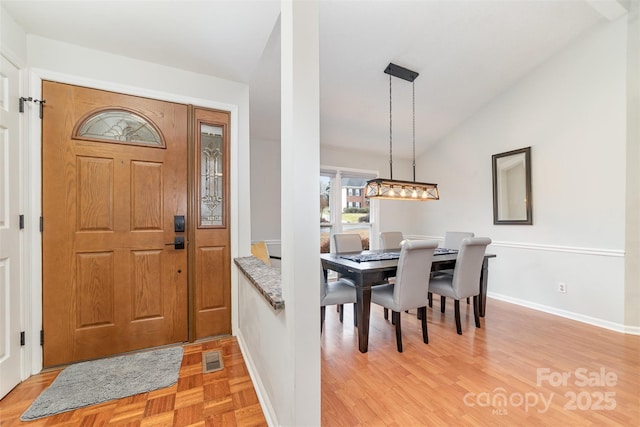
<point x="212" y="361"/>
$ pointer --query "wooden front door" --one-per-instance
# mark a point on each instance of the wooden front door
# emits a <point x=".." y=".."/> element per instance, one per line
<point x="114" y="182"/>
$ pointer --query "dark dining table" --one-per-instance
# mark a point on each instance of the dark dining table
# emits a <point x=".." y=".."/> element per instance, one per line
<point x="366" y="273"/>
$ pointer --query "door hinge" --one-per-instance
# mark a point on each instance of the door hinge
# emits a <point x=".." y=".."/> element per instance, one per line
<point x="22" y="338"/>
<point x="21" y="222"/>
<point x="22" y="100"/>
<point x="41" y="337"/>
<point x="41" y="224"/>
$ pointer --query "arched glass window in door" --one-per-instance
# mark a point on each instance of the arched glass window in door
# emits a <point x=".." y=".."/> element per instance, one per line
<point x="119" y="126"/>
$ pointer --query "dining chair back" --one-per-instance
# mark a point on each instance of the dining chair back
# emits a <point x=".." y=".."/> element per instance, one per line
<point x="453" y="239"/>
<point x="411" y="285"/>
<point x="391" y="239"/>
<point x="347" y="242"/>
<point x="466" y="273"/>
<point x="260" y="251"/>
<point x="414" y="265"/>
<point x="465" y="279"/>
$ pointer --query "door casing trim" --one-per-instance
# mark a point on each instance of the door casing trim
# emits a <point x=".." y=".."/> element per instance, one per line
<point x="32" y="167"/>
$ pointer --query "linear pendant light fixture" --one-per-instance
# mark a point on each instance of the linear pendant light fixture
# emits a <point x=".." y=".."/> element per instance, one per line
<point x="394" y="189"/>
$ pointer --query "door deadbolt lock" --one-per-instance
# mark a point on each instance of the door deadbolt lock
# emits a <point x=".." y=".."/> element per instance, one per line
<point x="178" y="223"/>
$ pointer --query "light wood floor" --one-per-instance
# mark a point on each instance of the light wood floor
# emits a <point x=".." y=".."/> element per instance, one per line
<point x="460" y="380"/>
<point x="222" y="398"/>
<point x="454" y="380"/>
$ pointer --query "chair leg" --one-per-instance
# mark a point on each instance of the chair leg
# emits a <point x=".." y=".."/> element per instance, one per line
<point x="425" y="335"/>
<point x="355" y="314"/>
<point x="456" y="305"/>
<point x="443" y="302"/>
<point x="341" y="312"/>
<point x="386" y="314"/>
<point x="395" y="315"/>
<point x="430" y="295"/>
<point x="322" y="312"/>
<point x="476" y="313"/>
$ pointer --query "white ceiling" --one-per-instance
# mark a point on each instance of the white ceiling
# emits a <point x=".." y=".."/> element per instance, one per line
<point x="467" y="53"/>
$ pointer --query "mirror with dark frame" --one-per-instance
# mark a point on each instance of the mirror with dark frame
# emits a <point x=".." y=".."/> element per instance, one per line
<point x="512" y="187"/>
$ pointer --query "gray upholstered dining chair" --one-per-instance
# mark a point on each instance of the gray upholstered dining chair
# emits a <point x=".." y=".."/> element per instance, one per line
<point x="466" y="276"/>
<point x="347" y="242"/>
<point x="391" y="239"/>
<point x="336" y="293"/>
<point x="411" y="285"/>
<point x="452" y="240"/>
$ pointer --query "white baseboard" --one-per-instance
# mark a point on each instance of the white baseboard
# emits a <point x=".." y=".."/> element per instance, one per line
<point x="632" y="330"/>
<point x="617" y="327"/>
<point x="265" y="403"/>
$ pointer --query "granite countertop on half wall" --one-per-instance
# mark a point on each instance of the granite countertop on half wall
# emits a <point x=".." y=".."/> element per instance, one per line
<point x="267" y="280"/>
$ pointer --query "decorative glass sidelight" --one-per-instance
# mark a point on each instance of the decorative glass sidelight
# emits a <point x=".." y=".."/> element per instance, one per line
<point x="211" y="176"/>
<point x="120" y="126"/>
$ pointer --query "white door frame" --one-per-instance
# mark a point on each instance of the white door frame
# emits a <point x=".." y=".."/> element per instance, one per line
<point x="32" y="303"/>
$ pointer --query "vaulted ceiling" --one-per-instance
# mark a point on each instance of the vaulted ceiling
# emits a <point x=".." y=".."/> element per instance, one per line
<point x="467" y="53"/>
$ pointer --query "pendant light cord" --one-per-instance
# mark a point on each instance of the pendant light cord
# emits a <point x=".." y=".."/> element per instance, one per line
<point x="390" y="133"/>
<point x="413" y="86"/>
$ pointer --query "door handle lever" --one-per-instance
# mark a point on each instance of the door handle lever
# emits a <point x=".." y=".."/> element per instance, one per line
<point x="178" y="242"/>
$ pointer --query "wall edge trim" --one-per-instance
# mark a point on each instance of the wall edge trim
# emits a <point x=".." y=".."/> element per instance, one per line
<point x="261" y="391"/>
<point x="544" y="247"/>
<point x="605" y="324"/>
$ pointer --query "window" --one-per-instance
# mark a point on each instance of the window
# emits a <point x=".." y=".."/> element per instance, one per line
<point x="212" y="176"/>
<point x="343" y="207"/>
<point x="119" y="126"/>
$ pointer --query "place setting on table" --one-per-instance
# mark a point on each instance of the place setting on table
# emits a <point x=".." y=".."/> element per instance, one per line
<point x="368" y="256"/>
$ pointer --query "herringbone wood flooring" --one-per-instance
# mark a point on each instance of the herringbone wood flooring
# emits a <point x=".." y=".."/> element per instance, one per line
<point x="225" y="397"/>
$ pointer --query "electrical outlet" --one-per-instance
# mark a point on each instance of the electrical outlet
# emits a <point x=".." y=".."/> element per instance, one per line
<point x="562" y="288"/>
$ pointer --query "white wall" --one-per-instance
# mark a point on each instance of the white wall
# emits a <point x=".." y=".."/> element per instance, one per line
<point x="263" y="335"/>
<point x="284" y="346"/>
<point x="632" y="273"/>
<point x="75" y="60"/>
<point x="572" y="112"/>
<point x="13" y="39"/>
<point x="265" y="190"/>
